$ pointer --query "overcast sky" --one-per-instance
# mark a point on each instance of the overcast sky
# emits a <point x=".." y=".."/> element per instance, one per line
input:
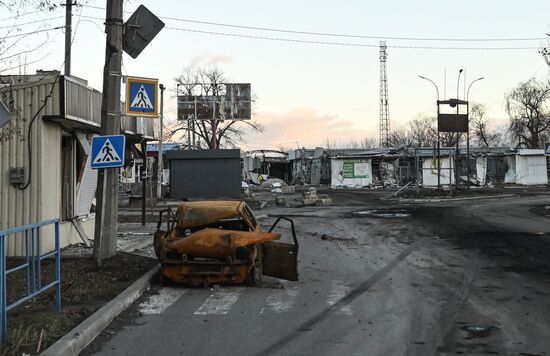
<point x="308" y="92"/>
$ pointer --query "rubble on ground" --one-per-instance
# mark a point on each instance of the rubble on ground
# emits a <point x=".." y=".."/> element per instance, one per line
<point x="312" y="198"/>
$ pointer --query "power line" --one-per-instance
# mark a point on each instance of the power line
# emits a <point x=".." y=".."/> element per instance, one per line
<point x="34" y="32"/>
<point x="26" y="64"/>
<point x="348" y="44"/>
<point x="24" y="52"/>
<point x="329" y="34"/>
<point x="20" y="15"/>
<point x="31" y="22"/>
<point x="345" y="44"/>
<point x="358" y="36"/>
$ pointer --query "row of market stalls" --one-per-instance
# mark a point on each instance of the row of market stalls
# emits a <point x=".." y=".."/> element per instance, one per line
<point x="393" y="167"/>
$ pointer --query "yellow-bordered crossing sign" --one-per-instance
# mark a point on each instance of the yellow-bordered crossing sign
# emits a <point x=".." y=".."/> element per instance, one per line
<point x="142" y="97"/>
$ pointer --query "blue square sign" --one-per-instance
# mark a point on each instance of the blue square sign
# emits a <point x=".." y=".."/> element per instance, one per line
<point x="141" y="97"/>
<point x="547" y="148"/>
<point x="108" y="151"/>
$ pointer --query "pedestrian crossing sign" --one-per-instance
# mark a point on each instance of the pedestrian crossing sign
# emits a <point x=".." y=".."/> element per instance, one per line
<point x="108" y="151"/>
<point x="547" y="148"/>
<point x="141" y="97"/>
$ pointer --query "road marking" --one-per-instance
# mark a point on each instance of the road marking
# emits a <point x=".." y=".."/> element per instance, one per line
<point x="281" y="300"/>
<point x="158" y="303"/>
<point x="339" y="290"/>
<point x="358" y="291"/>
<point x="220" y="303"/>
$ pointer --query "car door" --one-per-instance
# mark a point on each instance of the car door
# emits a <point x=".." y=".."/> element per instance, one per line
<point x="280" y="259"/>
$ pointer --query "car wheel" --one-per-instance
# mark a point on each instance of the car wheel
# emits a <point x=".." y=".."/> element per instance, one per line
<point x="256" y="273"/>
<point x="157" y="242"/>
<point x="255" y="276"/>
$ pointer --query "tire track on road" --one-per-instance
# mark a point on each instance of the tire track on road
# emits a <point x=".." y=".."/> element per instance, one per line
<point x="347" y="299"/>
<point x="443" y="338"/>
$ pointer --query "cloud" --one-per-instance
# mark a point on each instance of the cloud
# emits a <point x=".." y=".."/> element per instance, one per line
<point x="304" y="127"/>
<point x="209" y="59"/>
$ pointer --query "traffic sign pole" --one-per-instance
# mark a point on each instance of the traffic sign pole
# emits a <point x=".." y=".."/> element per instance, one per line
<point x="105" y="234"/>
<point x="160" y="148"/>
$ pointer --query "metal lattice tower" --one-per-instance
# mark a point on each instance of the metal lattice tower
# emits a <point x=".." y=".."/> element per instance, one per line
<point x="384" y="125"/>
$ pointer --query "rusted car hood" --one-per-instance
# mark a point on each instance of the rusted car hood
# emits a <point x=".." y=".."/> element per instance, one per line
<point x="201" y="213"/>
<point x="218" y="243"/>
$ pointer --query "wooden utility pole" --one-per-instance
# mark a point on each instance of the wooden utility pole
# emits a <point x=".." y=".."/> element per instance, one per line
<point x="107" y="188"/>
<point x="68" y="35"/>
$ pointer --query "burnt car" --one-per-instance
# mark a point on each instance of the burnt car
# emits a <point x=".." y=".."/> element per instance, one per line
<point x="210" y="242"/>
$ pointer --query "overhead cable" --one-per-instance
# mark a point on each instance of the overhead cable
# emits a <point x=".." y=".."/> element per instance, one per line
<point x="34" y="32"/>
<point x="350" y="44"/>
<point x="345" y="44"/>
<point x="31" y="22"/>
<point x="329" y="34"/>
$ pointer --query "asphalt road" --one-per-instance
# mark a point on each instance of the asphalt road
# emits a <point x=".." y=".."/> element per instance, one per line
<point x="377" y="277"/>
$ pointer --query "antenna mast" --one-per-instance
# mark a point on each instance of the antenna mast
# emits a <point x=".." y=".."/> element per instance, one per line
<point x="384" y="125"/>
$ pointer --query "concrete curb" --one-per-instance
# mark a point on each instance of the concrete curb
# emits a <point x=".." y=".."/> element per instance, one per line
<point x="83" y="334"/>
<point x="457" y="199"/>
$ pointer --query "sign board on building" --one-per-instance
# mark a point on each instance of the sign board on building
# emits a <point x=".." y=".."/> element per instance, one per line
<point x="166" y="146"/>
<point x="355" y="169"/>
<point x="139" y="31"/>
<point x="108" y="151"/>
<point x="142" y="97"/>
<point x="547" y="149"/>
<point x="234" y="104"/>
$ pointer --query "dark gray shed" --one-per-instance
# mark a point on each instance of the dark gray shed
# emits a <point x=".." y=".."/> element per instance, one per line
<point x="205" y="174"/>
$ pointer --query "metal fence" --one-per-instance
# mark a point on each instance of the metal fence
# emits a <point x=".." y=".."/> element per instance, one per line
<point x="32" y="266"/>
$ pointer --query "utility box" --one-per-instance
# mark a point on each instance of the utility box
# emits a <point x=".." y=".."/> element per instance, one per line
<point x="205" y="174"/>
<point x="17" y="175"/>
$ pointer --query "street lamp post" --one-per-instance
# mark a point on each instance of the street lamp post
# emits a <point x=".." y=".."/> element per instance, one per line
<point x="457" y="134"/>
<point x="438" y="139"/>
<point x="469" y="86"/>
<point x="468" y="119"/>
<point x="431" y="81"/>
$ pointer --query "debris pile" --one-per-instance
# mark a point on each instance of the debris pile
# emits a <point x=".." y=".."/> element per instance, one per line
<point x="312" y="198"/>
<point x="276" y="185"/>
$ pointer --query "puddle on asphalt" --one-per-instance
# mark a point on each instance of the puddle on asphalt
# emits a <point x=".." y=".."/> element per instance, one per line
<point x="383" y="213"/>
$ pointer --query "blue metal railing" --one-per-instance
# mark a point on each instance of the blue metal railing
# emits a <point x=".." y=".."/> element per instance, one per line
<point x="33" y="259"/>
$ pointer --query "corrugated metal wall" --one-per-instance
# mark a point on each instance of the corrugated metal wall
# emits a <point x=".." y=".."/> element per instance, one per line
<point x="41" y="200"/>
<point x="82" y="101"/>
<point x="531" y="170"/>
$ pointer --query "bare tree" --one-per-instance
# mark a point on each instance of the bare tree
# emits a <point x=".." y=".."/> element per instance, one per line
<point x="401" y="138"/>
<point x="330" y="144"/>
<point x="368" y="143"/>
<point x="479" y="129"/>
<point x="212" y="133"/>
<point x="528" y="106"/>
<point x="422" y="131"/>
<point x="12" y="48"/>
<point x="546" y="55"/>
<point x="545" y="51"/>
<point x="17" y="5"/>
